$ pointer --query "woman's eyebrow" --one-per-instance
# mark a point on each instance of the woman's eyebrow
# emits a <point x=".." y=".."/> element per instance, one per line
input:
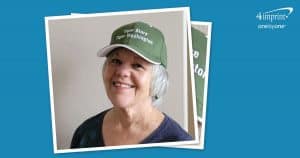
<point x="140" y="60"/>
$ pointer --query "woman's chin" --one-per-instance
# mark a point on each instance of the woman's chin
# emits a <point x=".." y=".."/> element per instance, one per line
<point x="121" y="104"/>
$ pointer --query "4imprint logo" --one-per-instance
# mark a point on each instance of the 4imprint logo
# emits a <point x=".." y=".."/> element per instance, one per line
<point x="274" y="19"/>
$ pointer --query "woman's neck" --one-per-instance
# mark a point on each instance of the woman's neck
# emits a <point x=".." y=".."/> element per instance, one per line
<point x="130" y="125"/>
<point x="135" y="116"/>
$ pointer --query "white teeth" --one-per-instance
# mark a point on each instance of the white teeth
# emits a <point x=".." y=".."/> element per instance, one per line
<point x="122" y="85"/>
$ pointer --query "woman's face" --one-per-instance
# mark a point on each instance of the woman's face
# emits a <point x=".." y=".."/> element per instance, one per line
<point x="127" y="78"/>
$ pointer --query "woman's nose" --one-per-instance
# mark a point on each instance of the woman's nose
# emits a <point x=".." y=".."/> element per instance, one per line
<point x="123" y="70"/>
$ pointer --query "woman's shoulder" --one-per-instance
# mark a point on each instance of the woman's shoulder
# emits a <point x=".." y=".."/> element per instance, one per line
<point x="93" y="121"/>
<point x="173" y="129"/>
<point x="168" y="131"/>
<point x="90" y="128"/>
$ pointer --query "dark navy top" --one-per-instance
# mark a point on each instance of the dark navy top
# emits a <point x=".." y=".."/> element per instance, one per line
<point x="89" y="133"/>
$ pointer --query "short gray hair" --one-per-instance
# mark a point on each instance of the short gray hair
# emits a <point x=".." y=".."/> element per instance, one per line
<point x="159" y="82"/>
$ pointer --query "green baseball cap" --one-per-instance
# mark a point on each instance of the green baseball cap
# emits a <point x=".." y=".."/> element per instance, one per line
<point x="143" y="39"/>
<point x="199" y="42"/>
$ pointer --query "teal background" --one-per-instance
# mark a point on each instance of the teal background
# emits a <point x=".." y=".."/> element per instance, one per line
<point x="253" y="95"/>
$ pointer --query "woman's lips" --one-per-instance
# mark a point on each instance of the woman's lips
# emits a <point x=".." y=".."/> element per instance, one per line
<point x="122" y="84"/>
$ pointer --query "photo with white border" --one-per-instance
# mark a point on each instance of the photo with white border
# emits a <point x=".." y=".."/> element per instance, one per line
<point x="201" y="57"/>
<point x="75" y="81"/>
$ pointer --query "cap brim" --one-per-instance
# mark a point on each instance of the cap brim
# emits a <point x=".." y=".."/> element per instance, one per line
<point x="106" y="50"/>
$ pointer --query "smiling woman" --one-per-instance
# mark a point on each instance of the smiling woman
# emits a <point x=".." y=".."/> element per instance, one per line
<point x="135" y="79"/>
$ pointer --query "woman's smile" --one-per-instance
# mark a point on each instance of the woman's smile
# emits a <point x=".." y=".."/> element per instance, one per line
<point x="122" y="85"/>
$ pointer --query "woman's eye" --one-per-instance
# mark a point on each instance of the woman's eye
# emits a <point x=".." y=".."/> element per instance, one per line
<point x="116" y="61"/>
<point x="137" y="66"/>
